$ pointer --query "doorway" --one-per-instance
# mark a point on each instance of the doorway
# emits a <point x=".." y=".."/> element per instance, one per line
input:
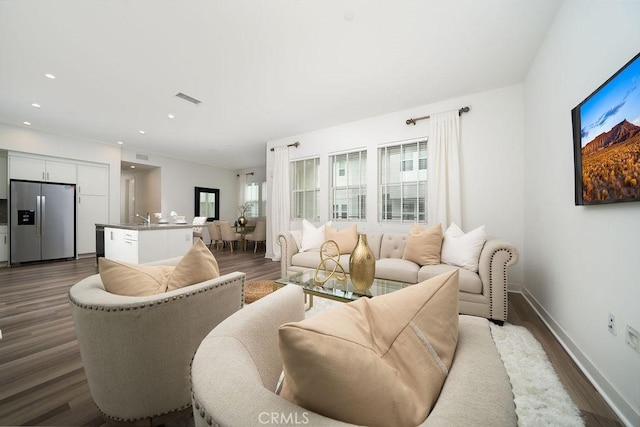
<point x="140" y="187"/>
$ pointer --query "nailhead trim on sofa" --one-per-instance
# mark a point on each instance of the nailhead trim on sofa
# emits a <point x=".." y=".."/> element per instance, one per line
<point x="504" y="272"/>
<point x="164" y="301"/>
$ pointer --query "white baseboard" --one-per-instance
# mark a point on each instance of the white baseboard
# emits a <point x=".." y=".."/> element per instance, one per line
<point x="619" y="405"/>
<point x="514" y="287"/>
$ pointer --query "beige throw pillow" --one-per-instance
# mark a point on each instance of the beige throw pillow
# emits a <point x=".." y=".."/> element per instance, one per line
<point x="376" y="362"/>
<point x="197" y="265"/>
<point x="123" y="278"/>
<point x="424" y="245"/>
<point x="134" y="280"/>
<point x="346" y="239"/>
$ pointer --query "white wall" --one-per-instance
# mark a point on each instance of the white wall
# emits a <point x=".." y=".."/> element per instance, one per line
<point x="581" y="263"/>
<point x="179" y="179"/>
<point x="68" y="147"/>
<point x="491" y="156"/>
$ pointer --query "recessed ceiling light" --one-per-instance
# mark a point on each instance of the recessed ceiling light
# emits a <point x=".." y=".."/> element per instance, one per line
<point x="133" y="166"/>
<point x="50" y="76"/>
<point x="120" y="142"/>
<point x="26" y="123"/>
<point x="141" y="132"/>
<point x="171" y="116"/>
<point x="35" y="104"/>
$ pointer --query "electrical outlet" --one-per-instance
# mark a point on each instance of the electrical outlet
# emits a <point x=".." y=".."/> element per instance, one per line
<point x="633" y="338"/>
<point x="612" y="324"/>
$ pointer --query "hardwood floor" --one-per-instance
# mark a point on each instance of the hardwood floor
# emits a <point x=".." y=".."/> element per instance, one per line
<point x="41" y="372"/>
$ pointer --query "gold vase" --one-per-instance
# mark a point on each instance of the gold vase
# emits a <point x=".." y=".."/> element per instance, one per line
<point x="362" y="265"/>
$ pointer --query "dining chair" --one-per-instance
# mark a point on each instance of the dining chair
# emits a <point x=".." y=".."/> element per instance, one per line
<point x="197" y="231"/>
<point x="214" y="234"/>
<point x="228" y="235"/>
<point x="259" y="234"/>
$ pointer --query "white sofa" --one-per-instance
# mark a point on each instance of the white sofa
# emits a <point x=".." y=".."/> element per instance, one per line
<point x="236" y="368"/>
<point x="481" y="294"/>
<point x="136" y="351"/>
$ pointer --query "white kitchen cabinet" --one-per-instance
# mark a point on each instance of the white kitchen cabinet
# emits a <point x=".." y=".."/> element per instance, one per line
<point x="149" y="244"/>
<point x="27" y="168"/>
<point x="91" y="210"/>
<point x="4" y="244"/>
<point x="93" y="180"/>
<point x="118" y="247"/>
<point x="152" y="245"/>
<point x="3" y="177"/>
<point x="60" y="172"/>
<point x="179" y="241"/>
<point x="35" y="169"/>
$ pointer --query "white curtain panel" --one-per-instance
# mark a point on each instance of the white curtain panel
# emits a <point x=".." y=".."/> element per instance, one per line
<point x="443" y="187"/>
<point x="242" y="185"/>
<point x="279" y="200"/>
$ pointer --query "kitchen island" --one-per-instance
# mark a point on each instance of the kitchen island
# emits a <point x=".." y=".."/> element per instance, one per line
<point x="140" y="243"/>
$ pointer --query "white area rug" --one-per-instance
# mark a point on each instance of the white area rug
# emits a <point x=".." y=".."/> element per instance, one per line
<point x="539" y="396"/>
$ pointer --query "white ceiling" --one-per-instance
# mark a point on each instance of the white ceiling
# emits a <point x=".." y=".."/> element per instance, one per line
<point x="262" y="69"/>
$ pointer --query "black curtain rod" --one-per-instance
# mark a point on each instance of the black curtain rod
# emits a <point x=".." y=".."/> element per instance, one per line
<point x="413" y="121"/>
<point x="295" y="144"/>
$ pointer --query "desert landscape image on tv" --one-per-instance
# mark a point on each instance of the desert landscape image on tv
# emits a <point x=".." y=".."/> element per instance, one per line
<point x="610" y="139"/>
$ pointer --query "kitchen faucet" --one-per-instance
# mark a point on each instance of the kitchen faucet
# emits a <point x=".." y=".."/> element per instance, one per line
<point x="147" y="219"/>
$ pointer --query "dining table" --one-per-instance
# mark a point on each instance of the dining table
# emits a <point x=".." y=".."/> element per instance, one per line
<point x="244" y="230"/>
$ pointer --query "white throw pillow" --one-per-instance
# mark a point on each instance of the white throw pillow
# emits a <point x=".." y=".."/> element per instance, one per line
<point x="312" y="237"/>
<point x="463" y="249"/>
<point x="297" y="237"/>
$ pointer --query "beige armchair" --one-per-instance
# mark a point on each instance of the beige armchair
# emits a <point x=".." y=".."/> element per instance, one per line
<point x="136" y="351"/>
<point x="259" y="234"/>
<point x="236" y="368"/>
<point x="228" y="235"/>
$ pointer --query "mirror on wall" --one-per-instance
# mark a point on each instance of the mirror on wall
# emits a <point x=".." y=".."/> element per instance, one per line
<point x="207" y="203"/>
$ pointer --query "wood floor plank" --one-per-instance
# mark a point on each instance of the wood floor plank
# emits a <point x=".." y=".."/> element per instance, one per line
<point x="41" y="372"/>
<point x="581" y="391"/>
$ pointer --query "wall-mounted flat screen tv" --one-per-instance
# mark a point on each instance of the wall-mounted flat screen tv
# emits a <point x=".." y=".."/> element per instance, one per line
<point x="606" y="140"/>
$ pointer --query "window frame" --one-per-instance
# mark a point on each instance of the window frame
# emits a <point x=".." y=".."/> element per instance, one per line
<point x="339" y="170"/>
<point x="304" y="190"/>
<point x="258" y="206"/>
<point x="403" y="182"/>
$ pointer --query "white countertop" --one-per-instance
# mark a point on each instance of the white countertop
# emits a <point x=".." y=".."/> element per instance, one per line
<point x="146" y="227"/>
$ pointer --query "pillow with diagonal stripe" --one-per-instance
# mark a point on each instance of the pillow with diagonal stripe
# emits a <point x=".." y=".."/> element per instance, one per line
<point x="376" y="362"/>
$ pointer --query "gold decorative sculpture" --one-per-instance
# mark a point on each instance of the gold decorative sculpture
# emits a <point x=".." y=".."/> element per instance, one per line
<point x="362" y="265"/>
<point x="340" y="275"/>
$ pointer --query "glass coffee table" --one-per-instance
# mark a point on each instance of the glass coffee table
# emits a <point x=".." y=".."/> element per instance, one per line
<point x="335" y="289"/>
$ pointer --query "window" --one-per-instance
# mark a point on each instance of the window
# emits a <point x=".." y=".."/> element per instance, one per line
<point x="305" y="189"/>
<point x="402" y="182"/>
<point x="255" y="193"/>
<point x="348" y="175"/>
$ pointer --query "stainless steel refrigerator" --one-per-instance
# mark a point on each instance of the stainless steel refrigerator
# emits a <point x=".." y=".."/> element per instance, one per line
<point x="43" y="221"/>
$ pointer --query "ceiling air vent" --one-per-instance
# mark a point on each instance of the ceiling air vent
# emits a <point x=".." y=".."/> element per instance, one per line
<point x="142" y="157"/>
<point x="188" y="98"/>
